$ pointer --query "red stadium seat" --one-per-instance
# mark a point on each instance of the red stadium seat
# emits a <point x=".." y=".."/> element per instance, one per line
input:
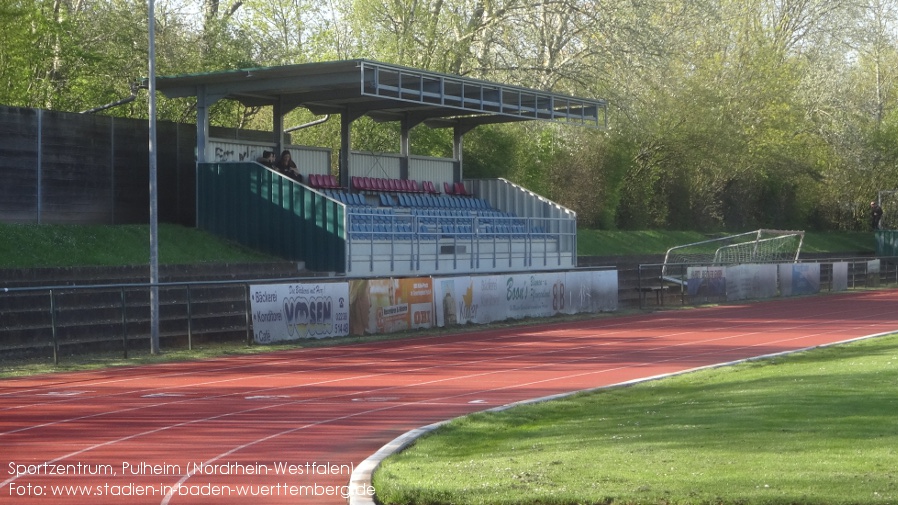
<point x="333" y="182"/>
<point x="460" y="189"/>
<point x="448" y="189"/>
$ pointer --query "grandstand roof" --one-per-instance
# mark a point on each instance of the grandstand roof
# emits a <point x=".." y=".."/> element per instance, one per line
<point x="386" y="92"/>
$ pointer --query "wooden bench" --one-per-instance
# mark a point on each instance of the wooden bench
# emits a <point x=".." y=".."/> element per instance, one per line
<point x="659" y="294"/>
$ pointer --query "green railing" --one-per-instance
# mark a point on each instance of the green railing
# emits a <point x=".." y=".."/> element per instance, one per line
<point x="263" y="210"/>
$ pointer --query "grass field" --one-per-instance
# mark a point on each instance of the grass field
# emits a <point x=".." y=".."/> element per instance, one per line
<point x="27" y="246"/>
<point x="813" y="428"/>
<point x="817" y="428"/>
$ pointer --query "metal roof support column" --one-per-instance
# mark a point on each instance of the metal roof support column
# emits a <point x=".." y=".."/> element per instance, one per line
<point x="278" y="125"/>
<point x="457" y="145"/>
<point x="346" y="120"/>
<point x="404" y="147"/>
<point x="345" y="147"/>
<point x="202" y="124"/>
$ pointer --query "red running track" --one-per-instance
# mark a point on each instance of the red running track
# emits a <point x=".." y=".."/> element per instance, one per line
<point x="228" y="430"/>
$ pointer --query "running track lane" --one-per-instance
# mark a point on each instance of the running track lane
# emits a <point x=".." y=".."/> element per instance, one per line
<point x="223" y="427"/>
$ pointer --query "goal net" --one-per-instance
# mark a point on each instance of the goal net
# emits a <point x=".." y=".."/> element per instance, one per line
<point x="761" y="246"/>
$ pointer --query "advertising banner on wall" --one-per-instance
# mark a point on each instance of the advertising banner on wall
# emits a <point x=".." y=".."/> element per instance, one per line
<point x="390" y="305"/>
<point x="293" y="311"/>
<point x="418" y="293"/>
<point x="468" y="299"/>
<point x="799" y="279"/>
<point x="489" y="298"/>
<point x="603" y="291"/>
<point x="747" y="282"/>
<point x="453" y="300"/>
<point x="590" y="291"/>
<point x="533" y="295"/>
<point x="873" y="273"/>
<point x="840" y="276"/>
<point x="706" y="281"/>
<point x="576" y="293"/>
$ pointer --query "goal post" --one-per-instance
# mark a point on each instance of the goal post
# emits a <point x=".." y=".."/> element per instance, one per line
<point x="760" y="246"/>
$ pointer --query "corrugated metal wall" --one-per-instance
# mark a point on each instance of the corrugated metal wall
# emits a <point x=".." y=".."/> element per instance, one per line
<point x="509" y="197"/>
<point x="377" y="165"/>
<point x="19" y="164"/>
<point x="436" y="170"/>
<point x="261" y="209"/>
<point x="311" y="160"/>
<point x="886" y="242"/>
<point x="229" y="150"/>
<point x="63" y="167"/>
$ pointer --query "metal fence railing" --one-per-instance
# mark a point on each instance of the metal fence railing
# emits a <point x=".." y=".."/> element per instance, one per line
<point x="381" y="242"/>
<point x="105" y="316"/>
<point x="661" y="283"/>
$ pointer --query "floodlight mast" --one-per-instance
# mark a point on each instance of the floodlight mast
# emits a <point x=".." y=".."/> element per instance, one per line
<point x="154" y="218"/>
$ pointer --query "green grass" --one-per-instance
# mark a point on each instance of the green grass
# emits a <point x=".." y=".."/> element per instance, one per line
<point x="28" y="246"/>
<point x="811" y="429"/>
<point x="814" y="428"/>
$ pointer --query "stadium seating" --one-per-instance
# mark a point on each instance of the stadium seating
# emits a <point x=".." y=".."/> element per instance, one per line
<point x="323" y="181"/>
<point x="460" y="189"/>
<point x="430" y="188"/>
<point x="382" y="185"/>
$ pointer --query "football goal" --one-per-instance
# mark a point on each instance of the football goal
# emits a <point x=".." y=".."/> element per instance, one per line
<point x="761" y="246"/>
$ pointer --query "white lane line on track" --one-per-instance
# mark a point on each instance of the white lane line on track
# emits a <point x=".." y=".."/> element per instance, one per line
<point x="282" y="357"/>
<point x="432" y="400"/>
<point x="434" y="348"/>
<point x="457" y="364"/>
<point x="469" y="393"/>
<point x="416" y="358"/>
<point x="497" y="335"/>
<point x="419" y="384"/>
<point x="278" y="357"/>
<point x="361" y="476"/>
<point x="365" y="349"/>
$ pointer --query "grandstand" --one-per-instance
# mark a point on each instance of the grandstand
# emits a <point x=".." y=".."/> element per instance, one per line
<point x="382" y="213"/>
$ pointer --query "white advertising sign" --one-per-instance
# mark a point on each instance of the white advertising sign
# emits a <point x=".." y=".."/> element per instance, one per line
<point x="293" y="311"/>
<point x="799" y="278"/>
<point x="531" y="295"/>
<point x="840" y="276"/>
<point x="489" y="298"/>
<point x="453" y="300"/>
<point x="751" y="282"/>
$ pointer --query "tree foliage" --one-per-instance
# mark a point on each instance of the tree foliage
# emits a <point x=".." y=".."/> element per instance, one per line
<point x="724" y="114"/>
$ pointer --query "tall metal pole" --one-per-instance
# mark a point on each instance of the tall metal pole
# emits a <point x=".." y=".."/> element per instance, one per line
<point x="154" y="218"/>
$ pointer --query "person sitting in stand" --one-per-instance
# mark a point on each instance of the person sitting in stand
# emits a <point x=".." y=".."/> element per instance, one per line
<point x="286" y="166"/>
<point x="266" y="159"/>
